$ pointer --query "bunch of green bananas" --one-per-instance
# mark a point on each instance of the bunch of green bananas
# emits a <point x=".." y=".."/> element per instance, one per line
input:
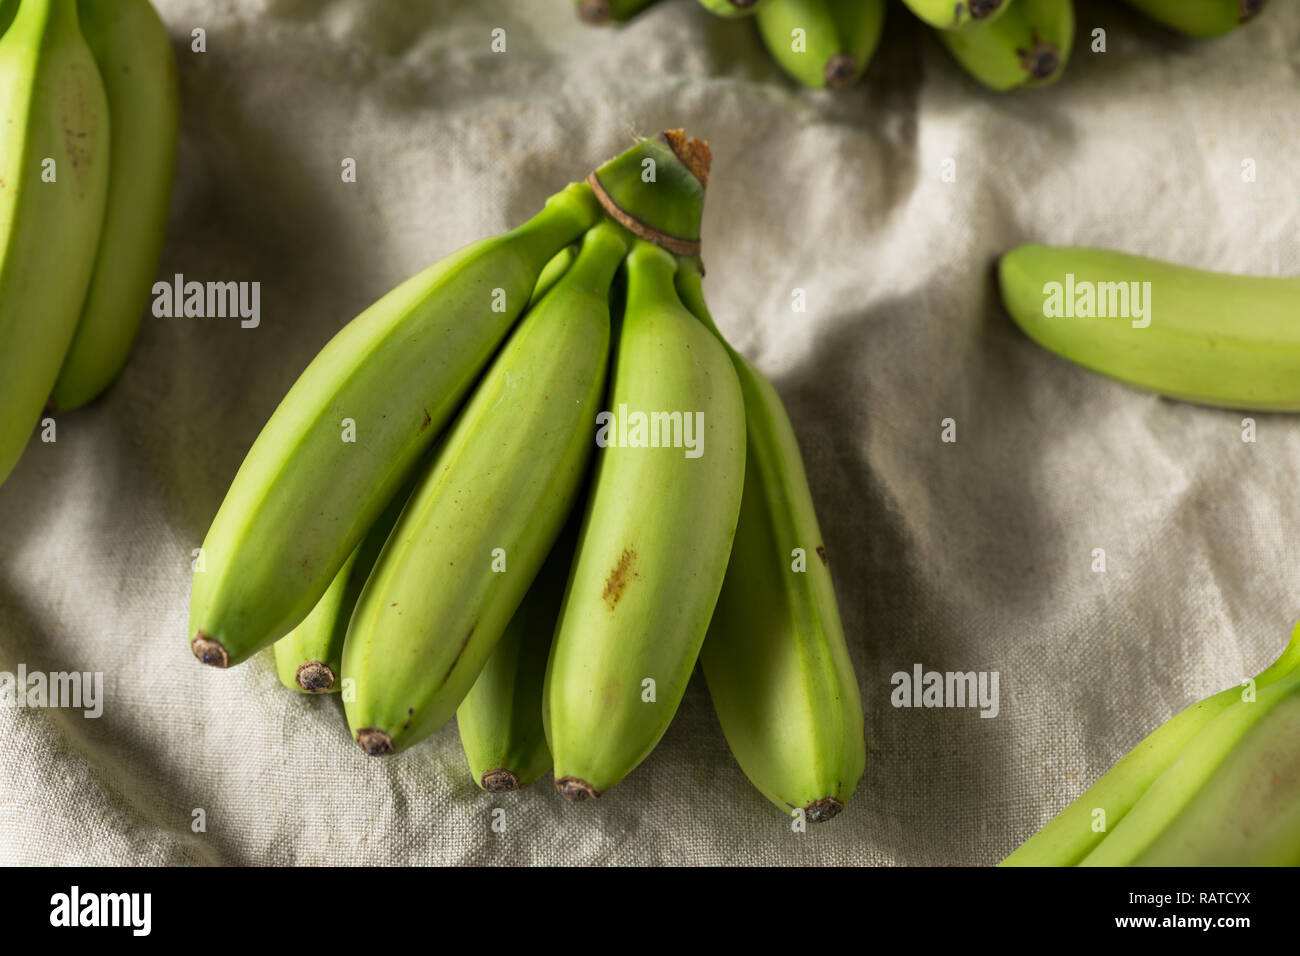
<point x="89" y="116"/>
<point x="1217" y="785"/>
<point x="414" y="553"/>
<point x="1004" y="44"/>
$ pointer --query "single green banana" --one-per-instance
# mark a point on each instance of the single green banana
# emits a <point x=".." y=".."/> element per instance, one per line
<point x="610" y="11"/>
<point x="135" y="59"/>
<point x="732" y="8"/>
<point x="655" y="537"/>
<point x="1070" y="836"/>
<point x="1192" y="771"/>
<point x="552" y="272"/>
<point x="1200" y="18"/>
<point x="478" y="527"/>
<point x="958" y="14"/>
<point x="304" y="498"/>
<point x="1248" y="812"/>
<point x="1205" y="337"/>
<point x="500" y="719"/>
<point x="822" y="43"/>
<point x="1029" y="46"/>
<point x="775" y="658"/>
<point x="54" y="158"/>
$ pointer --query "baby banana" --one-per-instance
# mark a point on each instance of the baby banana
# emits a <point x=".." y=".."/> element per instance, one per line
<point x="1071" y="836"/>
<point x="610" y="11"/>
<point x="478" y="527"/>
<point x="654" y="540"/>
<point x="957" y="14"/>
<point x="822" y="43"/>
<point x="732" y="8"/>
<point x="552" y="272"/>
<point x="1200" y="18"/>
<point x="304" y="498"/>
<point x="775" y="658"/>
<point x="54" y="157"/>
<point x="1028" y="46"/>
<point x="1203" y="337"/>
<point x="500" y="719"/>
<point x="135" y="60"/>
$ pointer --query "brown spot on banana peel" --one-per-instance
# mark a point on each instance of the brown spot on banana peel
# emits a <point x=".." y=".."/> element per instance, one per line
<point x="427" y="421"/>
<point x="209" y="651"/>
<point x="618" y="578"/>
<point x="575" y="790"/>
<point x="821" y="553"/>
<point x="840" y="71"/>
<point x="499" y="780"/>
<point x="375" y="742"/>
<point x="819" y="811"/>
<point x="463" y="644"/>
<point x="315" y="677"/>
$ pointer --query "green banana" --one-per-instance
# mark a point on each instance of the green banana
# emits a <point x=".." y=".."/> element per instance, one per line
<point x="436" y="603"/>
<point x="958" y="14"/>
<point x="610" y="11"/>
<point x="304" y="498"/>
<point x="500" y="719"/>
<point x="775" y="658"/>
<point x="1200" y="18"/>
<point x="732" y="8"/>
<point x="1069" y="838"/>
<point x="1205" y="337"/>
<point x="54" y="158"/>
<point x="552" y="272"/>
<point x="1027" y="47"/>
<point x="822" y="43"/>
<point x="654" y="540"/>
<point x="135" y="59"/>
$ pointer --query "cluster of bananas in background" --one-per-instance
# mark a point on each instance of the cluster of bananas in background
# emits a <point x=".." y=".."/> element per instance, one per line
<point x="1004" y="44"/>
<point x="89" y="117"/>
<point x="433" y="560"/>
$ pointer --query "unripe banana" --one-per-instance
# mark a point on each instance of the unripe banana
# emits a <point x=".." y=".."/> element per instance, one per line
<point x="732" y="8"/>
<point x="304" y="498"/>
<point x="775" y="658"/>
<point x="822" y="43"/>
<point x="478" y="527"/>
<point x="1204" y="337"/>
<point x="54" y="157"/>
<point x="1028" y="46"/>
<point x="500" y="719"/>
<point x="552" y="272"/>
<point x="655" y="537"/>
<point x="135" y="59"/>
<point x="610" y="11"/>
<point x="1200" y="18"/>
<point x="958" y="14"/>
<point x="1072" y="835"/>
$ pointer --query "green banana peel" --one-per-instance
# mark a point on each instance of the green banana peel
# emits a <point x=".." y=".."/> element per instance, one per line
<point x="822" y="43"/>
<point x="1074" y="835"/>
<point x="1200" y="18"/>
<point x="656" y="190"/>
<point x="1224" y="340"/>
<point x="1029" y="46"/>
<point x="733" y="9"/>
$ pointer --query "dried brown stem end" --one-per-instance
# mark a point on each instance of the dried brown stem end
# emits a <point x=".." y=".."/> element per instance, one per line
<point x="499" y="781"/>
<point x="314" y="677"/>
<point x="209" y="651"/>
<point x="694" y="153"/>
<point x="375" y="742"/>
<point x="819" y="811"/>
<point x="575" y="790"/>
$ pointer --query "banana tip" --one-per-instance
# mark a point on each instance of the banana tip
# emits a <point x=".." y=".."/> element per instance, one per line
<point x="209" y="651"/>
<point x="499" y="781"/>
<point x="979" y="9"/>
<point x="593" y="11"/>
<point x="575" y="790"/>
<point x="375" y="742"/>
<point x="315" y="677"/>
<point x="1250" y="9"/>
<point x="1042" y="61"/>
<point x="841" y="69"/>
<point x="819" y="811"/>
<point x="695" y="154"/>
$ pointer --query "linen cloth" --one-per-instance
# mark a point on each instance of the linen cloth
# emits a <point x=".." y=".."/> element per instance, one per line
<point x="974" y="555"/>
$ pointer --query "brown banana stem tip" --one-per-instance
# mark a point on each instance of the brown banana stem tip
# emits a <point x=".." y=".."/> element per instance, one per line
<point x="499" y="781"/>
<point x="593" y="11"/>
<point x="979" y="9"/>
<point x="694" y="153"/>
<point x="314" y="677"/>
<point x="743" y="4"/>
<point x="575" y="790"/>
<point x="375" y="742"/>
<point x="209" y="651"/>
<point x="840" y="70"/>
<point x="819" y="811"/>
<point x="1042" y="61"/>
<point x="1250" y="9"/>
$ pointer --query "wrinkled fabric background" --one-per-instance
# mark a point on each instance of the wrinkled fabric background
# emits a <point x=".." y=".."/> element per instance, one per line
<point x="968" y="556"/>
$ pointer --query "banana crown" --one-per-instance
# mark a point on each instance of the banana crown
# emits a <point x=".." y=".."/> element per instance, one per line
<point x="656" y="190"/>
